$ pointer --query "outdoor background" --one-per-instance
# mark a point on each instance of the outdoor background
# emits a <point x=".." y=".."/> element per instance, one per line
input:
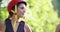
<point x="41" y="15"/>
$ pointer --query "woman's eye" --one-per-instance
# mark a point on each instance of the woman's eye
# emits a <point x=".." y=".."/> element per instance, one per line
<point x="22" y="7"/>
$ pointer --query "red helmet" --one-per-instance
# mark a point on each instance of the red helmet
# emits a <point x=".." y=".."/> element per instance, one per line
<point x="13" y="3"/>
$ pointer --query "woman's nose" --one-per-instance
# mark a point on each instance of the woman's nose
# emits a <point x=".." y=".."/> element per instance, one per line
<point x="24" y="11"/>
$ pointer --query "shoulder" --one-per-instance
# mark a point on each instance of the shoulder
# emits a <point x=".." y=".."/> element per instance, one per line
<point x="27" y="28"/>
<point x="58" y="28"/>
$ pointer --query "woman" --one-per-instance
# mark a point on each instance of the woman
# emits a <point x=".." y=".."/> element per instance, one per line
<point x="16" y="9"/>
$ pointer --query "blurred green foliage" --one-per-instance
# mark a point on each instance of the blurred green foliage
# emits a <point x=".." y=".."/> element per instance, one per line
<point x="3" y="13"/>
<point x="41" y="16"/>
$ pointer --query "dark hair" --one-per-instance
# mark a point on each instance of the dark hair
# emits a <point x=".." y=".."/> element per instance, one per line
<point x="10" y="14"/>
<point x="13" y="8"/>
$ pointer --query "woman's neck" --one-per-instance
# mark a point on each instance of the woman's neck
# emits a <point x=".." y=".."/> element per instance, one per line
<point x="13" y="19"/>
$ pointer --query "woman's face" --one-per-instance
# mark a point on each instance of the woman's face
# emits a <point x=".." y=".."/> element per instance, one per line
<point x="21" y="10"/>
